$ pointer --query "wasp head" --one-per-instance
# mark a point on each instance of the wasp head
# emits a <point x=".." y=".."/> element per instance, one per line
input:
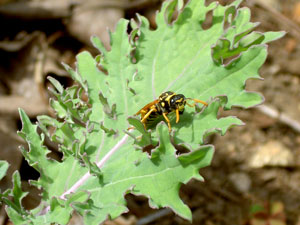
<point x="178" y="102"/>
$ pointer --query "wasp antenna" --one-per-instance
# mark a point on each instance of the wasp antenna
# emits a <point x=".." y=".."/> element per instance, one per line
<point x="200" y="101"/>
<point x="196" y="100"/>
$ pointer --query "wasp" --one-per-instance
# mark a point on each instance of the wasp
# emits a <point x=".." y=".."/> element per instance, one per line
<point x="166" y="103"/>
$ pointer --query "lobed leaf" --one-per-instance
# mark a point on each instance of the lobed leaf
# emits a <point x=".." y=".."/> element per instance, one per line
<point x="204" y="123"/>
<point x="103" y="143"/>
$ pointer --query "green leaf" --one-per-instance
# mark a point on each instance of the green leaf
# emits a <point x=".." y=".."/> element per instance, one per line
<point x="3" y="168"/>
<point x="15" y="217"/>
<point x="14" y="209"/>
<point x="107" y="152"/>
<point x="143" y="140"/>
<point x="196" y="126"/>
<point x="158" y="177"/>
<point x="188" y="67"/>
<point x="56" y="84"/>
<point x="17" y="192"/>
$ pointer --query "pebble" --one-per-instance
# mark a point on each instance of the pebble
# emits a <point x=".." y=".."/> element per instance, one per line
<point x="273" y="153"/>
<point x="241" y="181"/>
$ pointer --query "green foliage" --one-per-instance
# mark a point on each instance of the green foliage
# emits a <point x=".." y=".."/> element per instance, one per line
<point x="3" y="168"/>
<point x="102" y="160"/>
<point x="272" y="213"/>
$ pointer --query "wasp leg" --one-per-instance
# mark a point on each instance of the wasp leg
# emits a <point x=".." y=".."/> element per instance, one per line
<point x="145" y="117"/>
<point x="191" y="105"/>
<point x="168" y="121"/>
<point x="139" y="112"/>
<point x="177" y="115"/>
<point x="196" y="101"/>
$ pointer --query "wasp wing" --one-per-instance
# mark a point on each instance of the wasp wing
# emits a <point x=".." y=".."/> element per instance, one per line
<point x="146" y="107"/>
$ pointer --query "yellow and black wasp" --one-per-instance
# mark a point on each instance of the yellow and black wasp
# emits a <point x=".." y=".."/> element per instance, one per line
<point x="166" y="103"/>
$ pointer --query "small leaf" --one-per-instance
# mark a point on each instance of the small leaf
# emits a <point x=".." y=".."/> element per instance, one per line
<point x="56" y="84"/>
<point x="3" y="168"/>
<point x="272" y="36"/>
<point x="16" y="217"/>
<point x="18" y="194"/>
<point x="110" y="111"/>
<point x="145" y="138"/>
<point x="75" y="76"/>
<point x="62" y="216"/>
<point x="99" y="45"/>
<point x="203" y="154"/>
<point x="93" y="168"/>
<point x="109" y="132"/>
<point x="171" y="8"/>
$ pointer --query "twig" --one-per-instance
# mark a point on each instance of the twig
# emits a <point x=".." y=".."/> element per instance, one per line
<point x="10" y="105"/>
<point x="281" y="117"/>
<point x="292" y="27"/>
<point x="96" y="4"/>
<point x="55" y="9"/>
<point x="17" y="45"/>
<point x="37" y="9"/>
<point x="154" y="216"/>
